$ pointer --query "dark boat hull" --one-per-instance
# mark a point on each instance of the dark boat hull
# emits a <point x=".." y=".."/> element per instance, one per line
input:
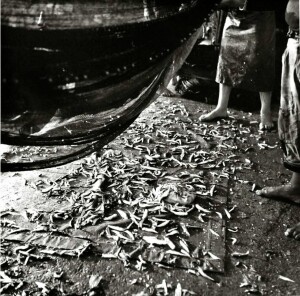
<point x="68" y="81"/>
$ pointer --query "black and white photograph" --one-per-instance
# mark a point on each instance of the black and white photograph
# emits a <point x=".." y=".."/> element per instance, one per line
<point x="150" y="148"/>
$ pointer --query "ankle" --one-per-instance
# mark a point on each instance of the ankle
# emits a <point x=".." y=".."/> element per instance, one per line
<point x="265" y="112"/>
<point x="220" y="110"/>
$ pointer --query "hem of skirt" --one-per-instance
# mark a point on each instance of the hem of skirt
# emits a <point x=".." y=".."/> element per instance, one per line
<point x="292" y="166"/>
<point x="241" y="86"/>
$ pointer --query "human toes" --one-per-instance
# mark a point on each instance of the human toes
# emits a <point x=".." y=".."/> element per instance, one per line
<point x="266" y="122"/>
<point x="204" y="117"/>
<point x="266" y="126"/>
<point x="266" y="191"/>
<point x="213" y="116"/>
<point x="293" y="232"/>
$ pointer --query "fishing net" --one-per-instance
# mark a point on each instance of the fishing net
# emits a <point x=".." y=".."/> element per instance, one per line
<point x="75" y="76"/>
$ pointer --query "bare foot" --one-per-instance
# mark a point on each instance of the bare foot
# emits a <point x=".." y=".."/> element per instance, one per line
<point x="285" y="192"/>
<point x="213" y="115"/>
<point x="168" y="93"/>
<point x="266" y="123"/>
<point x="293" y="232"/>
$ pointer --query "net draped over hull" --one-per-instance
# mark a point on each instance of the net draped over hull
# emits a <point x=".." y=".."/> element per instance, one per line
<point x="78" y="73"/>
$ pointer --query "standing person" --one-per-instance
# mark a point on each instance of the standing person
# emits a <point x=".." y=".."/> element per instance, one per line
<point x="247" y="56"/>
<point x="289" y="115"/>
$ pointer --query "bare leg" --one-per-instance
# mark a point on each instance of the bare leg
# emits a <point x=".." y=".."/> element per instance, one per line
<point x="294" y="232"/>
<point x="221" y="109"/>
<point x="266" y="122"/>
<point x="290" y="192"/>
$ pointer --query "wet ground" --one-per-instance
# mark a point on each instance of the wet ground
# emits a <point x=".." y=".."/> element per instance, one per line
<point x="110" y="216"/>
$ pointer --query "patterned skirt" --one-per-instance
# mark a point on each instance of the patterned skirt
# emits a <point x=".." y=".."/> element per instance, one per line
<point x="247" y="53"/>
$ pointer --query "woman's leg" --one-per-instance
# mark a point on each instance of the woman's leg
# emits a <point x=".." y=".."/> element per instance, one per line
<point x="221" y="108"/>
<point x="266" y="122"/>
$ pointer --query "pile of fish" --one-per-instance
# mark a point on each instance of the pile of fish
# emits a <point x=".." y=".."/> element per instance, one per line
<point x="141" y="200"/>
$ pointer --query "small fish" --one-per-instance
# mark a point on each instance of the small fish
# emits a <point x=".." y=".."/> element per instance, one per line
<point x="165" y="223"/>
<point x="122" y="214"/>
<point x="173" y="232"/>
<point x="109" y="256"/>
<point x="212" y="189"/>
<point x="200" y="217"/>
<point x="237" y="254"/>
<point x="214" y="233"/>
<point x="232" y="208"/>
<point x="220" y="215"/>
<point x="154" y="240"/>
<point x="196" y="253"/>
<point x="227" y="214"/>
<point x="150" y="168"/>
<point x="5" y="278"/>
<point x="192" y="271"/>
<point x="172" y="252"/>
<point x="118" y="228"/>
<point x="118" y="234"/>
<point x="170" y="243"/>
<point x="214" y="257"/>
<point x="234" y="240"/>
<point x="147" y="229"/>
<point x="286" y="279"/>
<point x="111" y="217"/>
<point x="163" y="286"/>
<point x="133" y="282"/>
<point x="134" y="219"/>
<point x="184" y="229"/>
<point x="202" y="273"/>
<point x="21" y="248"/>
<point x="48" y="189"/>
<point x="148" y="157"/>
<point x="233" y="229"/>
<point x="201" y="209"/>
<point x="261" y="146"/>
<point x="49" y="252"/>
<point x="163" y="266"/>
<point x="185" y="253"/>
<point x="184" y="245"/>
<point x="178" y="291"/>
<point x="179" y="213"/>
<point x="144" y="217"/>
<point x="44" y="287"/>
<point x="94" y="281"/>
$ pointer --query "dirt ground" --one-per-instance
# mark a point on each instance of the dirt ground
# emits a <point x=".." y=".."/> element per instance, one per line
<point x="258" y="258"/>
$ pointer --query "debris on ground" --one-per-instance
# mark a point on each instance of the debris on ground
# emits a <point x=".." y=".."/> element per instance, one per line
<point x="142" y="200"/>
